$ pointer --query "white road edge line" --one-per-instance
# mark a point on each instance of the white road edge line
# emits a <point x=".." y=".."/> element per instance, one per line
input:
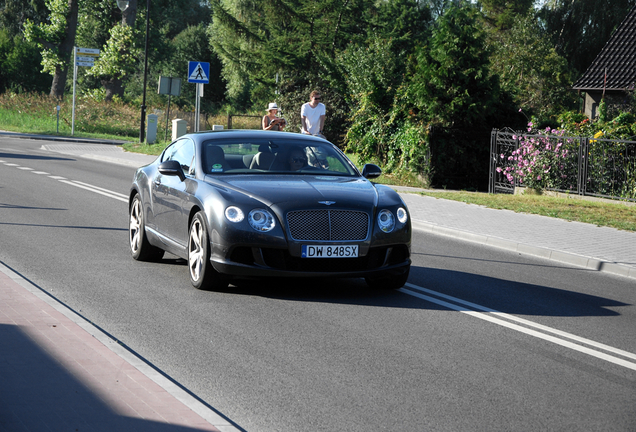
<point x="529" y="323"/>
<point x="101" y="189"/>
<point x="412" y="291"/>
<point x="96" y="190"/>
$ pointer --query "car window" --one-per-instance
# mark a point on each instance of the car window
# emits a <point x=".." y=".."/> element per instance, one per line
<point x="279" y="156"/>
<point x="183" y="152"/>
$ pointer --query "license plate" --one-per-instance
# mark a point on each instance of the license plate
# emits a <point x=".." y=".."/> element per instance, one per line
<point x="309" y="251"/>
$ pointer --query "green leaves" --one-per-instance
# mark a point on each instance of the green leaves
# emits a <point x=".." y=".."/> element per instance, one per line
<point x="119" y="57"/>
<point x="450" y="83"/>
<point x="49" y="35"/>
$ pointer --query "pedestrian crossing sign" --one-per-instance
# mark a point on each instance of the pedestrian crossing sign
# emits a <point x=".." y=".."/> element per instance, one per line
<point x="198" y="72"/>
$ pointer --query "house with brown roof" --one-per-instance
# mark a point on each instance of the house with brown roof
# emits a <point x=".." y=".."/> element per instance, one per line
<point x="612" y="74"/>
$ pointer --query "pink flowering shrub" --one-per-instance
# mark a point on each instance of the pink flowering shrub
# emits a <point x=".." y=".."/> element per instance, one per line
<point x="542" y="160"/>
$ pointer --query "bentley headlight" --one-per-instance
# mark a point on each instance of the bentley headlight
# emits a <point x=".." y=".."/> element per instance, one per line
<point x="402" y="215"/>
<point x="234" y="214"/>
<point x="386" y="221"/>
<point x="261" y="220"/>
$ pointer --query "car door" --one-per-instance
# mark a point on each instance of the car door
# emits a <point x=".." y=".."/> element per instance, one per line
<point x="170" y="195"/>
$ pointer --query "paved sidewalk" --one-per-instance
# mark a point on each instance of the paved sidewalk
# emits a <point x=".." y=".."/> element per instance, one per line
<point x="596" y="248"/>
<point x="61" y="373"/>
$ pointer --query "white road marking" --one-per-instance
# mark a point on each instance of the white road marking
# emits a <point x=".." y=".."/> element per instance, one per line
<point x="79" y="184"/>
<point x="102" y="189"/>
<point x="495" y="317"/>
<point x="97" y="190"/>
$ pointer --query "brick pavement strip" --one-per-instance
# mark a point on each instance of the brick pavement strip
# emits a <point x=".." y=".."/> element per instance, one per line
<point x="56" y="374"/>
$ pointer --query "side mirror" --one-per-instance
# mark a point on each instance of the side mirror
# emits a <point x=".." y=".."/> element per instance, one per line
<point x="371" y="171"/>
<point x="172" y="168"/>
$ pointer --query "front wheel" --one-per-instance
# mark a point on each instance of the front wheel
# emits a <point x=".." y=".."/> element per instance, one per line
<point x="202" y="274"/>
<point x="140" y="248"/>
<point x="388" y="281"/>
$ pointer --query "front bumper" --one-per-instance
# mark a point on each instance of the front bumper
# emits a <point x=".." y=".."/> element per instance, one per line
<point x="252" y="262"/>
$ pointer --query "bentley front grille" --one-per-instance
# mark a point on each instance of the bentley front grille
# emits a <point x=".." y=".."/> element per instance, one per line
<point x="328" y="225"/>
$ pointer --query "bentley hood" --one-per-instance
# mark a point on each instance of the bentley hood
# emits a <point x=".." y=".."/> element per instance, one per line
<point x="304" y="191"/>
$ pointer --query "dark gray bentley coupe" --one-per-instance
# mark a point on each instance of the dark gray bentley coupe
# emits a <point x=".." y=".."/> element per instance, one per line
<point x="256" y="204"/>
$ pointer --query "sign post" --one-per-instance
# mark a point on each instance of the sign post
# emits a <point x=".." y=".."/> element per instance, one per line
<point x="172" y="87"/>
<point x="81" y="57"/>
<point x="199" y="74"/>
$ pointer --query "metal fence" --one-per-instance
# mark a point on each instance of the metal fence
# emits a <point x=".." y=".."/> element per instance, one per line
<point x="597" y="167"/>
<point x="206" y="121"/>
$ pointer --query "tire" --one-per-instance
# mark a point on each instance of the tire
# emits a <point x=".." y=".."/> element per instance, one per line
<point x="140" y="248"/>
<point x="389" y="281"/>
<point x="202" y="274"/>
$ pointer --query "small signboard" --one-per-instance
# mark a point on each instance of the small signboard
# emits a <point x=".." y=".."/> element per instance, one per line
<point x="169" y="85"/>
<point x="87" y="51"/>
<point x="198" y="72"/>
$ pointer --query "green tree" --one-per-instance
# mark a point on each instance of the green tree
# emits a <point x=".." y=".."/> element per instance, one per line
<point x="451" y="84"/>
<point x="375" y="74"/>
<point x="121" y="36"/>
<point x="530" y="69"/>
<point x="14" y="13"/>
<point x="17" y="56"/>
<point x="117" y="60"/>
<point x="56" y="38"/>
<point x="295" y="40"/>
<point x="453" y="94"/>
<point x="502" y="14"/>
<point x="580" y="28"/>
<point x="192" y="44"/>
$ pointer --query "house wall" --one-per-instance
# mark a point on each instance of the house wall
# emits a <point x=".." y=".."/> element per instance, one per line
<point x="593" y="99"/>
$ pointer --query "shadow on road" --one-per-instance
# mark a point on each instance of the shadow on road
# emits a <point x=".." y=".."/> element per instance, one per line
<point x="38" y="393"/>
<point x="33" y="157"/>
<point x="499" y="294"/>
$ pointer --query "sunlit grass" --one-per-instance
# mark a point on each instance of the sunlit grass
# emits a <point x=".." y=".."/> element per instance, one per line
<point x="35" y="113"/>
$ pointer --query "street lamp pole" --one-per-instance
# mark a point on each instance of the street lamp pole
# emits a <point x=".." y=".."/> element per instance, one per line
<point x="142" y="131"/>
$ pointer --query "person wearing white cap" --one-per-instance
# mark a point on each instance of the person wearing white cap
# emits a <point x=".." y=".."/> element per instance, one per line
<point x="271" y="121"/>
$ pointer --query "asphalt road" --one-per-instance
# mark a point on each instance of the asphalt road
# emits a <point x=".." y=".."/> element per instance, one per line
<point x="480" y="339"/>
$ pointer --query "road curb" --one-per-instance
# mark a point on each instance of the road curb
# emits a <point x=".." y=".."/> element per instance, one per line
<point x="61" y="138"/>
<point x="526" y="249"/>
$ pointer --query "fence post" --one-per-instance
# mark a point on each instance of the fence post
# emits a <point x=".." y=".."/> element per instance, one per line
<point x="229" y="121"/>
<point x="579" y="180"/>
<point x="586" y="153"/>
<point x="493" y="158"/>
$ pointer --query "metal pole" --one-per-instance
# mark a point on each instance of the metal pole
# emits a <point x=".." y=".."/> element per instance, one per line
<point x="165" y="138"/>
<point x="74" y="84"/>
<point x="142" y="130"/>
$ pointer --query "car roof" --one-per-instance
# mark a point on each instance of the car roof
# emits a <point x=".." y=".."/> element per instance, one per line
<point x="251" y="134"/>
